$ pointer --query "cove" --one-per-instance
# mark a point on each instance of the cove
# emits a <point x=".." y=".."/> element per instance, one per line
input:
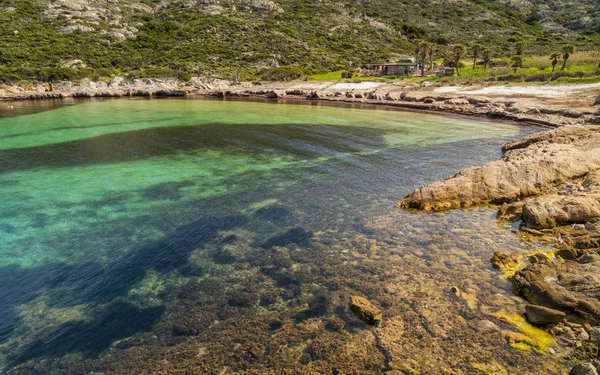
<point x="147" y="235"/>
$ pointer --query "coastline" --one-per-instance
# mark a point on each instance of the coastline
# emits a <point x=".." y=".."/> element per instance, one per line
<point x="536" y="108"/>
<point x="547" y="186"/>
<point x="454" y="293"/>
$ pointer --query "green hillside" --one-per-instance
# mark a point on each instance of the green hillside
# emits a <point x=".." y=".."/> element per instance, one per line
<point x="185" y="37"/>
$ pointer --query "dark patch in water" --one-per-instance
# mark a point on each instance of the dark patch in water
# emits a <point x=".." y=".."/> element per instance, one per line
<point x="307" y="141"/>
<point x="223" y="256"/>
<point x="94" y="284"/>
<point x="275" y="214"/>
<point x="166" y="190"/>
<point x="119" y="320"/>
<point x="317" y="307"/>
<point x="298" y="236"/>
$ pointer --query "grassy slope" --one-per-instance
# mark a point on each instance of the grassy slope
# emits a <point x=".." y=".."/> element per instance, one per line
<point x="330" y="36"/>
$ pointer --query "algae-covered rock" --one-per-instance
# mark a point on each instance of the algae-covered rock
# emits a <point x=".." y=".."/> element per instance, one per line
<point x="365" y="310"/>
<point x="571" y="287"/>
<point x="502" y="260"/>
<point x="510" y="211"/>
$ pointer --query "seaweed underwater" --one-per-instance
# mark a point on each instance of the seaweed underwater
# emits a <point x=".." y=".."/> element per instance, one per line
<point x="234" y="248"/>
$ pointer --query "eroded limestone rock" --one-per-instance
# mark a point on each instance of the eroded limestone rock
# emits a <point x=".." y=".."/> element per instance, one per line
<point x="553" y="211"/>
<point x="571" y="287"/>
<point x="528" y="168"/>
<point x="543" y="315"/>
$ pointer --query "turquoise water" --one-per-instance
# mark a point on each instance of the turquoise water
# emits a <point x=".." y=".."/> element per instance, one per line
<point x="110" y="209"/>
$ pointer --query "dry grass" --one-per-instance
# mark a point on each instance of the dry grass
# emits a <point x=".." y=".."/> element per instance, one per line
<point x="581" y="61"/>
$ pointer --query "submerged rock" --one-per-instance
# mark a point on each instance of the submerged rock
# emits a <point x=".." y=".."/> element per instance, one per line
<point x="543" y="315"/>
<point x="365" y="310"/>
<point x="502" y="260"/>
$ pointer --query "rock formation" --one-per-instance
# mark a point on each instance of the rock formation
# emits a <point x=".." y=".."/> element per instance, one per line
<point x="528" y="168"/>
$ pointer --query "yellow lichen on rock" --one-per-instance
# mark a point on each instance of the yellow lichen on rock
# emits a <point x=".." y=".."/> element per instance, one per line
<point x="530" y="336"/>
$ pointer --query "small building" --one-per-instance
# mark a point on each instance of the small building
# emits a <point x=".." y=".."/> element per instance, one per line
<point x="403" y="67"/>
<point x="446" y="72"/>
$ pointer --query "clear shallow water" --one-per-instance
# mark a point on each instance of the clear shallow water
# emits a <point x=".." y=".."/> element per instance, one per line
<point x="122" y="218"/>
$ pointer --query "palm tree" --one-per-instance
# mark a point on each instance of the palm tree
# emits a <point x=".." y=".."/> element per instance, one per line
<point x="475" y="49"/>
<point x="424" y="47"/>
<point x="418" y="51"/>
<point x="458" y="50"/>
<point x="486" y="54"/>
<point x="430" y="52"/>
<point x="517" y="62"/>
<point x="567" y="51"/>
<point x="554" y="57"/>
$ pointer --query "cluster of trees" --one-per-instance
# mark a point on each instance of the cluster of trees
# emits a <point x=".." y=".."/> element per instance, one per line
<point x="426" y="50"/>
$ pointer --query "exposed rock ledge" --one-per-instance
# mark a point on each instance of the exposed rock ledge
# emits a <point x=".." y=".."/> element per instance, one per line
<point x="528" y="168"/>
<point x="550" y="184"/>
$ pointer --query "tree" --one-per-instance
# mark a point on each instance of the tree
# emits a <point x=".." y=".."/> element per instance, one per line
<point x="567" y="51"/>
<point x="424" y="47"/>
<point x="475" y="50"/>
<point x="458" y="50"/>
<point x="519" y="48"/>
<point x="430" y="52"/>
<point x="554" y="57"/>
<point x="486" y="54"/>
<point x="418" y="51"/>
<point x="517" y="62"/>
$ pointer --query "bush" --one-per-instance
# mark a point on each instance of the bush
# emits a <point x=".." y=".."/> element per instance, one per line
<point x="281" y="74"/>
<point x="540" y="77"/>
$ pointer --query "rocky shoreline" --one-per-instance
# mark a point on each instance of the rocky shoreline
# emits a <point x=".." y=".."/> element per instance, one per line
<point x="407" y="97"/>
<point x="549" y="187"/>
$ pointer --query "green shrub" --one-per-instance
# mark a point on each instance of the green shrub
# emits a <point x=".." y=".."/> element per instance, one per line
<point x="282" y="74"/>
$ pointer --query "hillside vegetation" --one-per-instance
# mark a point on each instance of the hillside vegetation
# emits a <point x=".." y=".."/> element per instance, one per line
<point x="41" y="38"/>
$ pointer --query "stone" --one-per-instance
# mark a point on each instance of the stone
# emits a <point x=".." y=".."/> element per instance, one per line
<point x="529" y="167"/>
<point x="502" y="260"/>
<point x="511" y="211"/>
<point x="272" y="95"/>
<point x="543" y="315"/>
<point x="583" y="369"/>
<point x="583" y="336"/>
<point x="365" y="310"/>
<point x="556" y="210"/>
<point x="314" y="95"/>
<point x="572" y="287"/>
<point x="595" y="336"/>
<point x="538" y="258"/>
<point x="457" y="101"/>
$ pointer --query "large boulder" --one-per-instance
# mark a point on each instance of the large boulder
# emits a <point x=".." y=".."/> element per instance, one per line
<point x="543" y="315"/>
<point x="572" y="287"/>
<point x="528" y="168"/>
<point x="557" y="210"/>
